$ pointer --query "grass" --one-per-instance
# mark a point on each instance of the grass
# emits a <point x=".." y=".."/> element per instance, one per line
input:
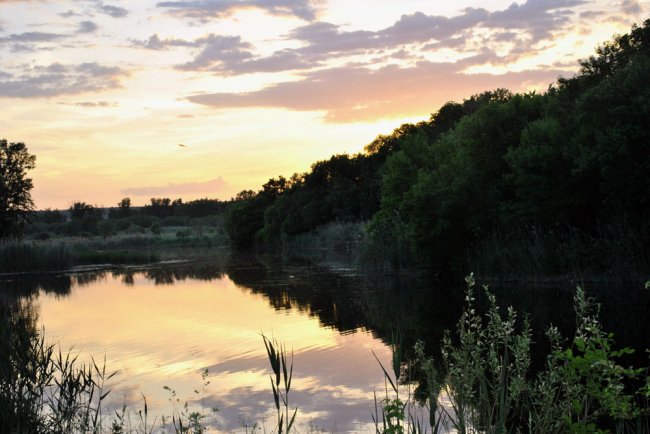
<point x="336" y="236"/>
<point x="17" y="256"/>
<point x="280" y="383"/>
<point x="43" y="390"/>
<point x="46" y="256"/>
<point x="61" y="254"/>
<point x="611" y="251"/>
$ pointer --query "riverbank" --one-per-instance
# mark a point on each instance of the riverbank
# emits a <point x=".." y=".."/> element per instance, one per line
<point x="65" y="253"/>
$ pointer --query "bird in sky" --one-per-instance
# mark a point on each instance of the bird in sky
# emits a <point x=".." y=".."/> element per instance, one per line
<point x="182" y="145"/>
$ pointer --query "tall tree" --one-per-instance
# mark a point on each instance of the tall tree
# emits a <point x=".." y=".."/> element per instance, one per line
<point x="125" y="207"/>
<point x="15" y="187"/>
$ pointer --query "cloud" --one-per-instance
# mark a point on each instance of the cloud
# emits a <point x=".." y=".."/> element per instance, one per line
<point x="95" y="104"/>
<point x="589" y="15"/>
<point x="30" y="41"/>
<point x="211" y="186"/>
<point x="87" y="27"/>
<point x="155" y="43"/>
<point x="58" y="79"/>
<point x="226" y="49"/>
<point x="29" y="37"/>
<point x="202" y="9"/>
<point x="523" y="25"/>
<point x="349" y="94"/>
<point x="631" y="7"/>
<point x="70" y="13"/>
<point x="113" y="11"/>
<point x="537" y="17"/>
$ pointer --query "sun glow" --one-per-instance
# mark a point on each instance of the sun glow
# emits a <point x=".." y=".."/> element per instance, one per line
<point x="106" y="96"/>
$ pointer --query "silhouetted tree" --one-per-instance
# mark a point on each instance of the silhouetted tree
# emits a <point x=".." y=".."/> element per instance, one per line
<point x="245" y="194"/>
<point x="162" y="206"/>
<point x="15" y="187"/>
<point x="124" y="207"/>
<point x="79" y="210"/>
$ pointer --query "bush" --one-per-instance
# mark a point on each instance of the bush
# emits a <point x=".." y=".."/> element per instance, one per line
<point x="144" y="221"/>
<point x="583" y="388"/>
<point x="183" y="233"/>
<point x="41" y="236"/>
<point x="174" y="221"/>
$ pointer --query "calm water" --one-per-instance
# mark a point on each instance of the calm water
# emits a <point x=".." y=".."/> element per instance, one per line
<point x="163" y="326"/>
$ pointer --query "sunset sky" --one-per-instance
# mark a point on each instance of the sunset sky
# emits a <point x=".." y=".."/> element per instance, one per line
<point x="103" y="93"/>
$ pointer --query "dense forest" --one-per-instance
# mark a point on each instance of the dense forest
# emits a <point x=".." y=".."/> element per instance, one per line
<point x="565" y="171"/>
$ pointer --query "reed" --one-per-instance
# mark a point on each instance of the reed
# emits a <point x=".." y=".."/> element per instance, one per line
<point x="44" y="390"/>
<point x="280" y="383"/>
<point x="335" y="236"/>
<point x="18" y="256"/>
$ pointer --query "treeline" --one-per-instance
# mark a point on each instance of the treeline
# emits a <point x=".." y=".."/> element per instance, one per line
<point x="565" y="171"/>
<point x="82" y="219"/>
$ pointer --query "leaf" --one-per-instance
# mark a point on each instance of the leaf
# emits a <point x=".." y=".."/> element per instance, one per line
<point x="385" y="372"/>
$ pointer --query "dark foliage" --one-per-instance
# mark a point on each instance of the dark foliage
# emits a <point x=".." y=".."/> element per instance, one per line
<point x="15" y="187"/>
<point x="572" y="162"/>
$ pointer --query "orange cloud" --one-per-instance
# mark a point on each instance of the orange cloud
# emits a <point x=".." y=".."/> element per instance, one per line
<point x="351" y="94"/>
<point x="211" y="188"/>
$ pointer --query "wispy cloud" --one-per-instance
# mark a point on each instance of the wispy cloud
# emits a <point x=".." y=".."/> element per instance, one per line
<point x="521" y="25"/>
<point x="631" y="7"/>
<point x="94" y="104"/>
<point x="31" y="41"/>
<point x="203" y="9"/>
<point x="211" y="187"/>
<point x="350" y="94"/>
<point x="58" y="79"/>
<point x="155" y="43"/>
<point x="31" y="37"/>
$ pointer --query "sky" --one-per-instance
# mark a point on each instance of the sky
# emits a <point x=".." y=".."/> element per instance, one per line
<point x="205" y="98"/>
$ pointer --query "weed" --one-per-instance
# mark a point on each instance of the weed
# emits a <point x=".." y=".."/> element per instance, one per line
<point x="282" y="375"/>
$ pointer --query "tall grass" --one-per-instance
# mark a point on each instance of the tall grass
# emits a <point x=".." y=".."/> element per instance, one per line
<point x="610" y="251"/>
<point x="43" y="390"/>
<point x="281" y="383"/>
<point x="335" y="236"/>
<point x="44" y="256"/>
<point x="385" y="247"/>
<point x="18" y="256"/>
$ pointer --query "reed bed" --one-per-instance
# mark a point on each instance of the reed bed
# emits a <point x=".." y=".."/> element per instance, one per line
<point x="18" y="256"/>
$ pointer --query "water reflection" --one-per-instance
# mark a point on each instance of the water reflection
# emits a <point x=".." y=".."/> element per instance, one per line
<point x="161" y="326"/>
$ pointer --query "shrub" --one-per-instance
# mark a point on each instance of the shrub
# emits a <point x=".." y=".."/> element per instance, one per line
<point x="184" y="233"/>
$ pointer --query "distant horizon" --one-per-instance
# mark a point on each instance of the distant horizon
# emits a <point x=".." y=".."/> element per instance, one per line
<point x="107" y="207"/>
<point x="205" y="99"/>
